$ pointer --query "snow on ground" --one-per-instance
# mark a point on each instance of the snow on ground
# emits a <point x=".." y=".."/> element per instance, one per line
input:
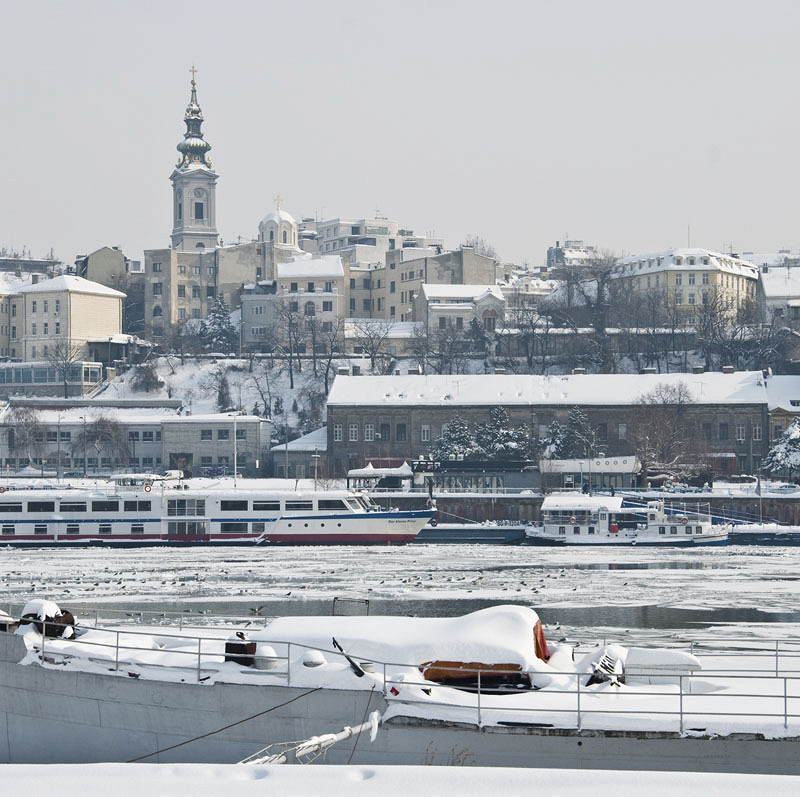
<point x="210" y="780"/>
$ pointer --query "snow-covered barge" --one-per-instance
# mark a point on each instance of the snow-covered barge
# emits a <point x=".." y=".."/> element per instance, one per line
<point x="484" y="689"/>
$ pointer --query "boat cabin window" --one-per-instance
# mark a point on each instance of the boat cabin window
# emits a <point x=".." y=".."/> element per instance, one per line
<point x="562" y="529"/>
<point x="266" y="506"/>
<point x="10" y="507"/>
<point x="8" y="528"/>
<point x="73" y="506"/>
<point x="105" y="528"/>
<point x="688" y="529"/>
<point x="105" y="506"/>
<point x="181" y="507"/>
<point x="37" y="529"/>
<point x="137" y="528"/>
<point x="331" y="503"/>
<point x="662" y="529"/>
<point x="602" y="516"/>
<point x="299" y="506"/>
<point x="258" y="528"/>
<point x="576" y="530"/>
<point x="233" y="528"/>
<point x="591" y="529"/>
<point x="136" y="506"/>
<point x="73" y="528"/>
<point x="41" y="506"/>
<point x="698" y="530"/>
<point x="652" y="516"/>
<point x="185" y="527"/>
<point x="233" y="506"/>
<point x="673" y="529"/>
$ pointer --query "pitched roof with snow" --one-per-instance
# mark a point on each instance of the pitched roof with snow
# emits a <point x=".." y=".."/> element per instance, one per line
<point x="313" y="441"/>
<point x="680" y="259"/>
<point x="69" y="282"/>
<point x="461" y="292"/>
<point x="781" y="282"/>
<point x="742" y="387"/>
<point x="783" y="393"/>
<point x="302" y="267"/>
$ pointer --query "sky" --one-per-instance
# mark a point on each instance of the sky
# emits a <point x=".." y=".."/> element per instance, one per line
<point x="633" y="126"/>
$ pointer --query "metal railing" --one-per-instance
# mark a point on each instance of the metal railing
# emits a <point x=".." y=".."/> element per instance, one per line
<point x="681" y="697"/>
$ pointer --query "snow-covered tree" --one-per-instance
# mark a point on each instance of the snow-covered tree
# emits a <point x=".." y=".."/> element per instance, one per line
<point x="556" y="444"/>
<point x="784" y="456"/>
<point x="581" y="435"/>
<point x="218" y="333"/>
<point x="498" y="439"/>
<point x="456" y="441"/>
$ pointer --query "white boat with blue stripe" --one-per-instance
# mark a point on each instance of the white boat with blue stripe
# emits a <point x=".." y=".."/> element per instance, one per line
<point x="143" y="509"/>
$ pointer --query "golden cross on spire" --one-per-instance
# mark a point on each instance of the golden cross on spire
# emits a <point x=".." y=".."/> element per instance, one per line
<point x="278" y="200"/>
<point x="194" y="72"/>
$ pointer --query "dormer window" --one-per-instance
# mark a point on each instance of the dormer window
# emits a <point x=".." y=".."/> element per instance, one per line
<point x="678" y="261"/>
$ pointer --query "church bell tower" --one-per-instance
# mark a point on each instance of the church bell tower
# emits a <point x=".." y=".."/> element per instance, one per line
<point x="194" y="210"/>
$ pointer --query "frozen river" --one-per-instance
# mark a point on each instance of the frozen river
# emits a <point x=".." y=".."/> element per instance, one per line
<point x="631" y="592"/>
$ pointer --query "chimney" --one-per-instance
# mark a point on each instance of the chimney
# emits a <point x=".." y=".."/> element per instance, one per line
<point x="698" y="369"/>
<point x="578" y="371"/>
<point x="34" y="279"/>
<point x="727" y="369"/>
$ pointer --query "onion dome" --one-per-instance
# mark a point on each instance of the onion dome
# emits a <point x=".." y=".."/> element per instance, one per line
<point x="194" y="148"/>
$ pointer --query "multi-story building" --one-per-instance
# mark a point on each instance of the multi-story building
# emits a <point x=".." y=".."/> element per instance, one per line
<point x="457" y="306"/>
<point x="779" y="294"/>
<point x="570" y="255"/>
<point x="689" y="277"/>
<point x="726" y="414"/>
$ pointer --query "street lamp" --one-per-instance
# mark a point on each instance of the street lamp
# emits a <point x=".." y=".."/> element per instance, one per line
<point x="83" y="418"/>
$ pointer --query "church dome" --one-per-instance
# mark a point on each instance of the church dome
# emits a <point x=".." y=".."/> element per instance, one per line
<point x="277" y="216"/>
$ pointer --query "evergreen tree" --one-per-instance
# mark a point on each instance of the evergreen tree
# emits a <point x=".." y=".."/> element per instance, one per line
<point x="278" y="406"/>
<point x="784" y="456"/>
<point x="556" y="445"/>
<point x="497" y="439"/>
<point x="223" y="393"/>
<point x="581" y="435"/>
<point x="218" y="333"/>
<point x="456" y="441"/>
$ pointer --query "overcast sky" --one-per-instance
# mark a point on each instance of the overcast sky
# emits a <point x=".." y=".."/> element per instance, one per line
<point x="621" y="123"/>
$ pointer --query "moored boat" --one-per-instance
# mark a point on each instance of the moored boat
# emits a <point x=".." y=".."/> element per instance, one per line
<point x="580" y="519"/>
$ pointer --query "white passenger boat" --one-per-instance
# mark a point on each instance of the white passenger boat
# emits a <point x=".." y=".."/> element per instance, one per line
<point x="147" y="510"/>
<point x="579" y="519"/>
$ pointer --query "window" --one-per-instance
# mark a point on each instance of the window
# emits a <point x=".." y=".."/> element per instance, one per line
<point x="105" y="506"/>
<point x="337" y="433"/>
<point x="310" y="309"/>
<point x="400" y="432"/>
<point x="691" y="278"/>
<point x="181" y="291"/>
<point x="206" y="434"/>
<point x="367" y="304"/>
<point x="707" y="431"/>
<point x="73" y="528"/>
<point x="137" y="528"/>
<point x="425" y="434"/>
<point x="310" y="288"/>
<point x="198" y="211"/>
<point x="223" y="434"/>
<point x="742" y="460"/>
<point x="691" y="298"/>
<point x="386" y="433"/>
<point x="353" y="433"/>
<point x="442" y="322"/>
<point x="293" y="306"/>
<point x="622" y="431"/>
<point x="147" y="437"/>
<point x="181" y="269"/>
<point x="299" y="506"/>
<point x="40" y="528"/>
<point x="41" y="506"/>
<point x="133" y="436"/>
<point x="105" y="528"/>
<point x="195" y="291"/>
<point x="267" y="506"/>
<point x="58" y="328"/>
<point x="740" y="434"/>
<point x="211" y="292"/>
<point x="777" y="431"/>
<point x="233" y="506"/>
<point x="369" y="432"/>
<point x="233" y="528"/>
<point x="756" y="431"/>
<point x="206" y="460"/>
<point x="136" y="506"/>
<point x="723" y="431"/>
<point x="58" y="306"/>
<point x="602" y="431"/>
<point x="327" y="307"/>
<point x="45" y="328"/>
<point x="73" y="506"/>
<point x="157" y="289"/>
<point x="392" y="287"/>
<point x="293" y="287"/>
<point x="157" y="267"/>
<point x="33" y="330"/>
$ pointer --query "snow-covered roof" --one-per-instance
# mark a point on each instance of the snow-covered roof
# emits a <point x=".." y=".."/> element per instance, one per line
<point x="319" y="267"/>
<point x="742" y="387"/>
<point x="460" y="292"/>
<point x="69" y="282"/>
<point x="783" y="393"/>
<point x="781" y="282"/>
<point x="576" y="501"/>
<point x="313" y="441"/>
<point x="679" y="259"/>
<point x="354" y="327"/>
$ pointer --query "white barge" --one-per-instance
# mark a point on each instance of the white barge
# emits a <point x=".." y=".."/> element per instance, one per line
<point x="579" y="519"/>
<point x="148" y="510"/>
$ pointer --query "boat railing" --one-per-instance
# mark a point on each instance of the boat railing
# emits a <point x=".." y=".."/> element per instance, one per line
<point x="717" y="694"/>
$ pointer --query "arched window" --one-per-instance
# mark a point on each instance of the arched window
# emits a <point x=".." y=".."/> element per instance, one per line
<point x="200" y="246"/>
<point x="157" y="311"/>
<point x="272" y="235"/>
<point x="310" y="309"/>
<point x="284" y="236"/>
<point x="489" y="320"/>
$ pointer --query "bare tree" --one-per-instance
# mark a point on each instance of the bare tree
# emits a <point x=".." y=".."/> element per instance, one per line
<point x="372" y="335"/>
<point x="480" y="245"/>
<point x="62" y="356"/>
<point x="333" y="340"/>
<point x="104" y="435"/>
<point x="25" y="433"/>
